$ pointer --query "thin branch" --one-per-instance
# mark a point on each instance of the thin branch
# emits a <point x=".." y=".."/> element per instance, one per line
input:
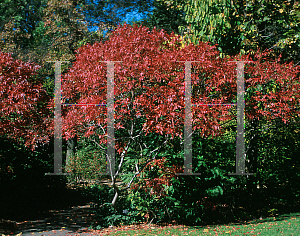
<point x="148" y="161"/>
<point x="115" y="187"/>
<point x="130" y="137"/>
<point x="122" y="158"/>
<point x="297" y="63"/>
<point x="98" y="144"/>
<point x="153" y="217"/>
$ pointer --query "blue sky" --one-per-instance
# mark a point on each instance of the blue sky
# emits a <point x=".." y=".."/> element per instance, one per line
<point x="132" y="16"/>
<point x="135" y="15"/>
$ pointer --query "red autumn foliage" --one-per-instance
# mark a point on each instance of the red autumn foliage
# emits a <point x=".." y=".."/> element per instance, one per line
<point x="156" y="185"/>
<point x="149" y="82"/>
<point x="277" y="86"/>
<point x="21" y="98"/>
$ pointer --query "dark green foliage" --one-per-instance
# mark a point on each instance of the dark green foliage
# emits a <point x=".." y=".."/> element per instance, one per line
<point x="166" y="17"/>
<point x="16" y="159"/>
<point x="185" y="200"/>
<point x="105" y="213"/>
<point x="240" y="26"/>
<point x="88" y="162"/>
<point x="214" y="196"/>
<point x="25" y="189"/>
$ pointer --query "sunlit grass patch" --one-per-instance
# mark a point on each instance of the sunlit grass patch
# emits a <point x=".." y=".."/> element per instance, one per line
<point x="280" y="225"/>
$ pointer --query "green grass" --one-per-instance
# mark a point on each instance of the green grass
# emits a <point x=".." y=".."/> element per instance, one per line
<point x="280" y="225"/>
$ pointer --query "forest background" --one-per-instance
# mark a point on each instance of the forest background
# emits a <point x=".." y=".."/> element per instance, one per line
<point x="42" y="31"/>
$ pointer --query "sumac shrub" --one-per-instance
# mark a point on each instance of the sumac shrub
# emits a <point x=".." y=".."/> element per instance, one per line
<point x="149" y="113"/>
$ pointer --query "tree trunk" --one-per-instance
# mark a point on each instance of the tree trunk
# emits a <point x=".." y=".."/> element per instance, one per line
<point x="71" y="149"/>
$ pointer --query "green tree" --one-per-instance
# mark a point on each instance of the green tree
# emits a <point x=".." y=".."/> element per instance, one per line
<point x="50" y="29"/>
<point x="167" y="15"/>
<point x="19" y="21"/>
<point x="239" y="26"/>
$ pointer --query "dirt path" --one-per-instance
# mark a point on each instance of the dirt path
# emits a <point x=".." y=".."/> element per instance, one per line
<point x="68" y="221"/>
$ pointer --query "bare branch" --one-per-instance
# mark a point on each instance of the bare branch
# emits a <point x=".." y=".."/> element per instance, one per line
<point x="117" y="191"/>
<point x="98" y="144"/>
<point x="148" y="161"/>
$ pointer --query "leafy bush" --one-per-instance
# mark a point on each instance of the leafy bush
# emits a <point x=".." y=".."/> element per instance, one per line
<point x="107" y="215"/>
<point x="161" y="196"/>
<point x="87" y="164"/>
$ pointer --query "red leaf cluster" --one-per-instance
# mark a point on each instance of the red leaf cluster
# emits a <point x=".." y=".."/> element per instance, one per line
<point x="156" y="185"/>
<point x="20" y="97"/>
<point x="149" y="82"/>
<point x="279" y="93"/>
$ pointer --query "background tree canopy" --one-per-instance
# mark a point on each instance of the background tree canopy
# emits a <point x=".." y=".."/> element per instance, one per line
<point x="237" y="26"/>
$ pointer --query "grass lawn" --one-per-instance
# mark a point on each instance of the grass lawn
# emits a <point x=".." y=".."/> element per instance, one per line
<point x="279" y="225"/>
